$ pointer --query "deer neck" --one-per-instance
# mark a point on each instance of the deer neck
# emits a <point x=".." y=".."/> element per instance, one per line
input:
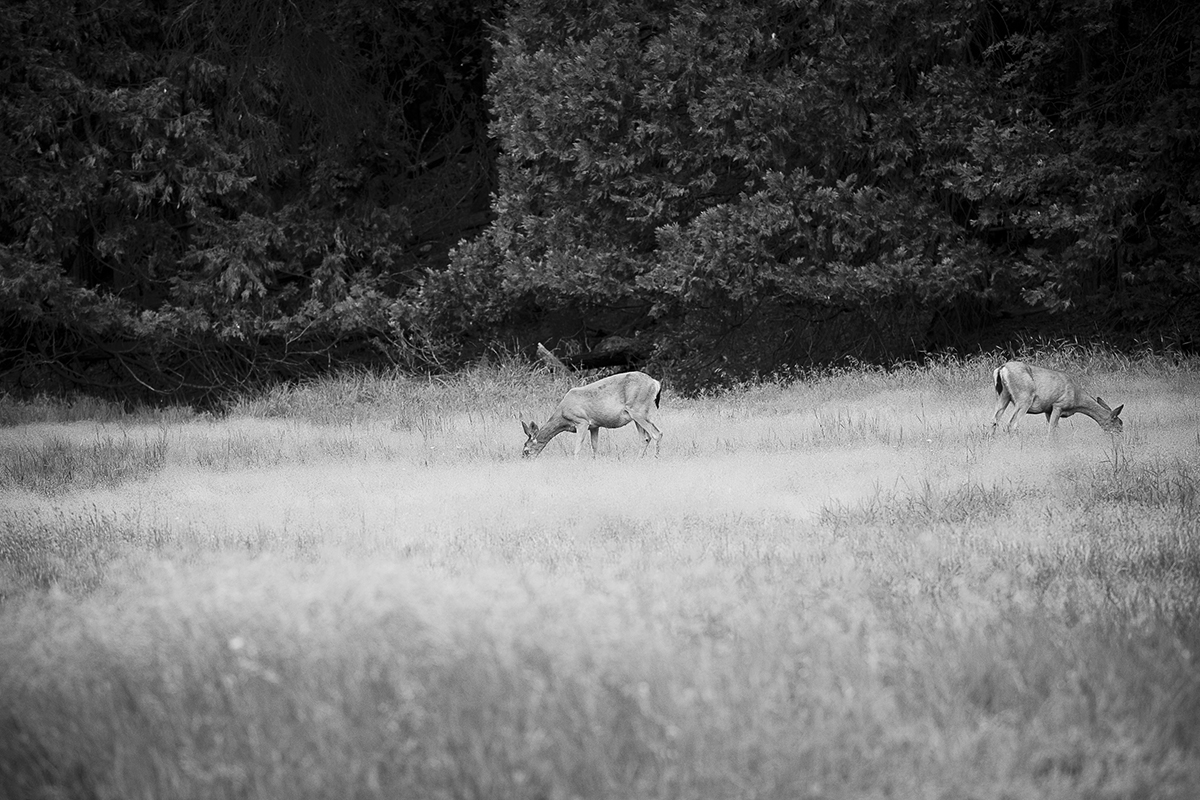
<point x="554" y="426"/>
<point x="1094" y="410"/>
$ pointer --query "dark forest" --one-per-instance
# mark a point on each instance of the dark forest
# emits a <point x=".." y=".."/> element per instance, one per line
<point x="199" y="199"/>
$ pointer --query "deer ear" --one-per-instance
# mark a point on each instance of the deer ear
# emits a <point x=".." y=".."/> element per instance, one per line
<point x="1103" y="404"/>
<point x="528" y="427"/>
<point x="1117" y="410"/>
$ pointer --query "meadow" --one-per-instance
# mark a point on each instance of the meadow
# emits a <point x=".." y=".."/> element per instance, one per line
<point x="837" y="586"/>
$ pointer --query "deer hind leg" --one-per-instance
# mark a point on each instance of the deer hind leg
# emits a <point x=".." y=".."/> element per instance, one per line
<point x="1002" y="401"/>
<point x="595" y="434"/>
<point x="1052" y="419"/>
<point x="1019" y="410"/>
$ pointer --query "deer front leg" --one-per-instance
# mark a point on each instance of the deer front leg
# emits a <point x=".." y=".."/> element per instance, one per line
<point x="581" y="434"/>
<point x="1052" y="418"/>
<point x="595" y="432"/>
<point x="649" y="431"/>
<point x="645" y="438"/>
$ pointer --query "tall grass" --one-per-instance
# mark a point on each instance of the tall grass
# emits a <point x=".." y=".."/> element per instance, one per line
<point x="838" y="587"/>
<point x="52" y="464"/>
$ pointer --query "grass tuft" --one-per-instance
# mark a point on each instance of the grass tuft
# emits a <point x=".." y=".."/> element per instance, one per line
<point x="968" y="503"/>
<point x="54" y="465"/>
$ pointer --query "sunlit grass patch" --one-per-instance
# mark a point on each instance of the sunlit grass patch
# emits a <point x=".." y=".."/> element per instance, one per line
<point x="839" y="586"/>
<point x="72" y="551"/>
<point x="1155" y="482"/>
<point x="14" y="411"/>
<point x="264" y="444"/>
<point x="504" y="387"/>
<point x="405" y="684"/>
<point x="843" y="426"/>
<point x="775" y="674"/>
<point x="82" y="408"/>
<point x="929" y="505"/>
<point x="52" y="464"/>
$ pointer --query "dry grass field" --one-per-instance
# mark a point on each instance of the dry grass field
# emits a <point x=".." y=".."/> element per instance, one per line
<point x="838" y="587"/>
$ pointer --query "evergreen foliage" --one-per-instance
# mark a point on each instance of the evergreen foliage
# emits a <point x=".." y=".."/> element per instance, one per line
<point x="756" y="184"/>
<point x="196" y="198"/>
<point x="200" y="197"/>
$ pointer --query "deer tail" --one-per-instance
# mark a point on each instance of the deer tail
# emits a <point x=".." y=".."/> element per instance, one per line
<point x="999" y="383"/>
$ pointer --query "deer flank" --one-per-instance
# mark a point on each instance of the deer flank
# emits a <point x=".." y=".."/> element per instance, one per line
<point x="611" y="402"/>
<point x="1037" y="390"/>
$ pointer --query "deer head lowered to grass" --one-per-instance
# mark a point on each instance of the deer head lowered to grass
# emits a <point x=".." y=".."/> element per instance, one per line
<point x="610" y="402"/>
<point x="1037" y="390"/>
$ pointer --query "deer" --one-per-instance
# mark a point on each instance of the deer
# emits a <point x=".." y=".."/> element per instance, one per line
<point x="1037" y="390"/>
<point x="611" y="402"/>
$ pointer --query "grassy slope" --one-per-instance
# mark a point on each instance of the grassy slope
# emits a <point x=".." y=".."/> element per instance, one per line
<point x="836" y="588"/>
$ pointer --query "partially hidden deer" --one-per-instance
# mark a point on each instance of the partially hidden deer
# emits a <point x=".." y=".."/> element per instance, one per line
<point x="611" y="402"/>
<point x="1037" y="390"/>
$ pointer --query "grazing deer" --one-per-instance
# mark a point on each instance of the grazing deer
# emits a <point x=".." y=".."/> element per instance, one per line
<point x="610" y="402"/>
<point x="1037" y="390"/>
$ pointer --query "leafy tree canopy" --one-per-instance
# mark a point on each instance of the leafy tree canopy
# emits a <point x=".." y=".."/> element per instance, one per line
<point x="747" y="184"/>
<point x="200" y="197"/>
